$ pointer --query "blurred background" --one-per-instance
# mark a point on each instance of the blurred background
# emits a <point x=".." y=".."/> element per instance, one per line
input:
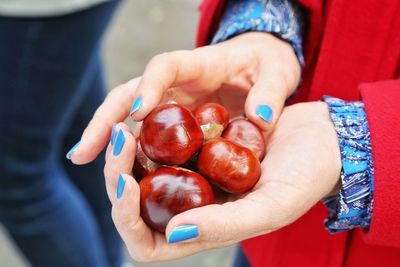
<point x="140" y="30"/>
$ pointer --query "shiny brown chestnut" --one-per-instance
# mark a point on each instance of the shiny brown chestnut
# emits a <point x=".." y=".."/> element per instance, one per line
<point x="233" y="168"/>
<point x="170" y="134"/>
<point x="212" y="118"/>
<point x="143" y="166"/>
<point x="245" y="133"/>
<point x="170" y="191"/>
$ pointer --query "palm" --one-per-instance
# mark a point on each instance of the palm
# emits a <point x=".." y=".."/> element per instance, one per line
<point x="230" y="94"/>
<point x="302" y="164"/>
<point x="232" y="100"/>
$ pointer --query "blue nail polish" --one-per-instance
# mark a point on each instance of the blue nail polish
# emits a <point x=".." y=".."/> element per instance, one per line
<point x="113" y="135"/>
<point x="119" y="143"/>
<point x="183" y="232"/>
<point x="265" y="112"/>
<point x="136" y="105"/>
<point x="72" y="150"/>
<point x="120" y="187"/>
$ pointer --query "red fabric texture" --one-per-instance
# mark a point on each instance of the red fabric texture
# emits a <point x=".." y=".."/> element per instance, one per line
<point x="348" y="47"/>
<point x="383" y="114"/>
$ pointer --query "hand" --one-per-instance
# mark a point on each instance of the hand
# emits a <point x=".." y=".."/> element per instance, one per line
<point x="301" y="167"/>
<point x="247" y="71"/>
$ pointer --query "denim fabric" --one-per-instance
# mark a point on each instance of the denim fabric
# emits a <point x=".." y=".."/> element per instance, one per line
<point x="240" y="259"/>
<point x="50" y="85"/>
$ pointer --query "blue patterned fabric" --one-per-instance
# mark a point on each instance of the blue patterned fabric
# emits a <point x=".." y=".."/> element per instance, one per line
<point x="353" y="206"/>
<point x="280" y="17"/>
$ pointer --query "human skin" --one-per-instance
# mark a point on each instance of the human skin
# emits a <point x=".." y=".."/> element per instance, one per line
<point x="302" y="164"/>
<point x="242" y="73"/>
<point x="301" y="167"/>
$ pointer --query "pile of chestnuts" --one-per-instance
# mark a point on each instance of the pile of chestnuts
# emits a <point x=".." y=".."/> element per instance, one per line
<point x="182" y="153"/>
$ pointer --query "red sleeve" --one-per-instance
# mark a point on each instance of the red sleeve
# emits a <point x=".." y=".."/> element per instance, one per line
<point x="210" y="15"/>
<point x="382" y="105"/>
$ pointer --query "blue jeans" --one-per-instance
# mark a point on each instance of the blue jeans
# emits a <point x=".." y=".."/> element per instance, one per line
<point x="240" y="259"/>
<point x="51" y="83"/>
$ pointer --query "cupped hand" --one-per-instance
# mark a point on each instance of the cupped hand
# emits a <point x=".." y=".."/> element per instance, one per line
<point x="302" y="166"/>
<point x="253" y="73"/>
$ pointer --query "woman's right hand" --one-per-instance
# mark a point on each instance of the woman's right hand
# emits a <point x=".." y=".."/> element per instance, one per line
<point x="253" y="73"/>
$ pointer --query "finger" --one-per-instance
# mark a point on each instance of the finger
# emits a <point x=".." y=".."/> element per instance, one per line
<point x="120" y="156"/>
<point x="115" y="108"/>
<point x="143" y="243"/>
<point x="266" y="99"/>
<point x="126" y="216"/>
<point x="221" y="224"/>
<point x="170" y="70"/>
<point x="189" y="232"/>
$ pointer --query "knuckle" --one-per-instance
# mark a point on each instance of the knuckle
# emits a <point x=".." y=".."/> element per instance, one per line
<point x="148" y="255"/>
<point x="112" y="93"/>
<point x="115" y="93"/>
<point x="224" y="231"/>
<point x="139" y="258"/>
<point x="160" y="59"/>
<point x="121" y="221"/>
<point x="180" y="55"/>
<point x="142" y="257"/>
<point x="278" y="88"/>
<point x="106" y="171"/>
<point x="283" y="215"/>
<point x="115" y="216"/>
<point x="143" y="253"/>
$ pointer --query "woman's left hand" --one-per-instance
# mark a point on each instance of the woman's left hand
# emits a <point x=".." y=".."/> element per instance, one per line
<point x="301" y="167"/>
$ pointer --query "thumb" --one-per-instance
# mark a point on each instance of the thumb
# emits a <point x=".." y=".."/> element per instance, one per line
<point x="222" y="224"/>
<point x="272" y="87"/>
<point x="265" y="101"/>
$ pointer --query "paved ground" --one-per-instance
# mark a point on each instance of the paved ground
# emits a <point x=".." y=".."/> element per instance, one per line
<point x="141" y="29"/>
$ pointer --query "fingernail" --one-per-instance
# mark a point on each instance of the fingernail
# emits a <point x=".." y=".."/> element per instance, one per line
<point x="265" y="112"/>
<point x="119" y="143"/>
<point x="136" y="105"/>
<point x="120" y="187"/>
<point x="72" y="150"/>
<point x="183" y="232"/>
<point x="113" y="135"/>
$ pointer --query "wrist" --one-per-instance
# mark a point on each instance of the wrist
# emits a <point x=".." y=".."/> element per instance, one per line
<point x="332" y="139"/>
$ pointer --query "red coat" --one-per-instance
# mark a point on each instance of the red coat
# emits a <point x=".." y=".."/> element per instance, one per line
<point x="351" y="47"/>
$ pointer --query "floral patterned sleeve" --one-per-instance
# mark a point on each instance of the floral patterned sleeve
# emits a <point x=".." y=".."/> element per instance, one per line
<point x="353" y="206"/>
<point x="280" y="17"/>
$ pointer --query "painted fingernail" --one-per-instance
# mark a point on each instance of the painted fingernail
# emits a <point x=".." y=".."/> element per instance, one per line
<point x="265" y="112"/>
<point x="183" y="232"/>
<point x="120" y="186"/>
<point x="72" y="150"/>
<point x="113" y="134"/>
<point x="119" y="143"/>
<point x="136" y="105"/>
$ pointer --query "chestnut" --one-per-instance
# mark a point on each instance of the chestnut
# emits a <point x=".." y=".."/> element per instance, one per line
<point x="170" y="134"/>
<point x="233" y="168"/>
<point x="170" y="191"/>
<point x="143" y="166"/>
<point x="245" y="133"/>
<point x="212" y="118"/>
